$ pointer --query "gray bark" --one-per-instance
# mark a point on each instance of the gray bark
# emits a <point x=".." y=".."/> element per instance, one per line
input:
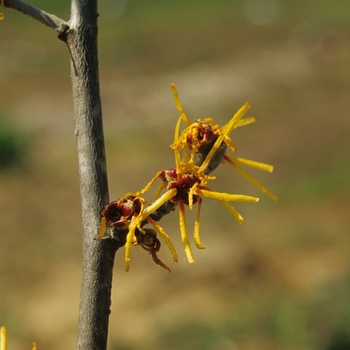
<point x="80" y="35"/>
<point x="32" y="11"/>
<point x="98" y="257"/>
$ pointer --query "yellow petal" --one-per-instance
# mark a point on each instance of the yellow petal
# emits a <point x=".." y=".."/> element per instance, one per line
<point x="224" y="135"/>
<point x="209" y="156"/>
<point x="160" y="188"/>
<point x="244" y="122"/>
<point x="184" y="235"/>
<point x="176" y="137"/>
<point x="230" y="143"/>
<point x="252" y="179"/>
<point x="231" y="124"/>
<point x="227" y="197"/>
<point x="130" y="238"/>
<point x="149" y="185"/>
<point x="196" y="237"/>
<point x="165" y="237"/>
<point x="103" y="229"/>
<point x="3" y="338"/>
<point x="252" y="164"/>
<point x="190" y="196"/>
<point x="156" y="204"/>
<point x="127" y="194"/>
<point x="178" y="105"/>
<point x="233" y="211"/>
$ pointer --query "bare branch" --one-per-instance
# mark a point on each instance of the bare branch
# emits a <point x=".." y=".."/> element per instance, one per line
<point x="80" y="35"/>
<point x="98" y="257"/>
<point x="49" y="20"/>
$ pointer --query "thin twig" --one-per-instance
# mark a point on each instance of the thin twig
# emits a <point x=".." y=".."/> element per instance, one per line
<point x="49" y="20"/>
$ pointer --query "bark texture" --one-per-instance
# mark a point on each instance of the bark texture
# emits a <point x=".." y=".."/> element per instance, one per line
<point x="80" y="35"/>
<point x="98" y="257"/>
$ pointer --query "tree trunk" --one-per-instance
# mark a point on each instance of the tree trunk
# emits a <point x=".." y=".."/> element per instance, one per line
<point x="80" y="35"/>
<point x="98" y="257"/>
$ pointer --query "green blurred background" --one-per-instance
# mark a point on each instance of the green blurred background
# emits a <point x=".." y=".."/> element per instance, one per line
<point x="281" y="280"/>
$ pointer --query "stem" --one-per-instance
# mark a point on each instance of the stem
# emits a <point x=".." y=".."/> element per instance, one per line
<point x="80" y="35"/>
<point x="49" y="20"/>
<point x="98" y="256"/>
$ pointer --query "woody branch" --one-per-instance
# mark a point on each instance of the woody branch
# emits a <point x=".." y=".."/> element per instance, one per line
<point x="48" y="19"/>
<point x="80" y="36"/>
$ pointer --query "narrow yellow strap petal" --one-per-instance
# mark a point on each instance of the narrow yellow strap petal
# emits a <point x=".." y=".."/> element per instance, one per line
<point x="176" y="137"/>
<point x="3" y="338"/>
<point x="227" y="197"/>
<point x="244" y="122"/>
<point x="179" y="105"/>
<point x="241" y="122"/>
<point x="160" y="188"/>
<point x="233" y="211"/>
<point x="186" y="119"/>
<point x="230" y="143"/>
<point x="252" y="164"/>
<point x="231" y="124"/>
<point x="149" y="185"/>
<point x="190" y="196"/>
<point x="128" y="245"/>
<point x="156" y="204"/>
<point x="196" y="237"/>
<point x="34" y="346"/>
<point x="176" y="98"/>
<point x="224" y="136"/>
<point x="209" y="156"/>
<point x="127" y="194"/>
<point x="184" y="235"/>
<point x="165" y="237"/>
<point x="253" y="180"/>
<point x="103" y="229"/>
<point x="130" y="238"/>
<point x="182" y="138"/>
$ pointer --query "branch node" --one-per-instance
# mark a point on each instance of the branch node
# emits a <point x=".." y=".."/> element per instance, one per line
<point x="62" y="31"/>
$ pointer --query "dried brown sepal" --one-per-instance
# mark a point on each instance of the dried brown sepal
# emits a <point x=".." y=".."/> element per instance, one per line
<point x="149" y="242"/>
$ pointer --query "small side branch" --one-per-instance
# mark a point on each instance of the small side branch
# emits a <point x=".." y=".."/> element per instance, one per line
<point x="49" y="20"/>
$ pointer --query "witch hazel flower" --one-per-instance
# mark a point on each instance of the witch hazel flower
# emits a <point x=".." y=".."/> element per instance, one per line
<point x="126" y="219"/>
<point x="205" y="143"/>
<point x="186" y="185"/>
<point x="198" y="149"/>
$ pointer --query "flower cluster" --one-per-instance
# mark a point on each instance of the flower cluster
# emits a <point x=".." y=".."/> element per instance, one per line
<point x="199" y="149"/>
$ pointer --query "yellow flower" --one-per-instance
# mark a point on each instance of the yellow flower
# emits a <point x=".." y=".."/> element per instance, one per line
<point x="186" y="185"/>
<point x="127" y="216"/>
<point x="199" y="149"/>
<point x="204" y="143"/>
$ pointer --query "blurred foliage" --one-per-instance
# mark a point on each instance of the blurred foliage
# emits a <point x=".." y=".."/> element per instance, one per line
<point x="155" y="35"/>
<point x="281" y="321"/>
<point x="321" y="183"/>
<point x="12" y="146"/>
